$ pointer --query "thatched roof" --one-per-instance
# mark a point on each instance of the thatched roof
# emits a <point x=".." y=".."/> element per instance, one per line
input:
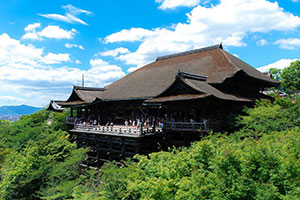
<point x="213" y="62"/>
<point x="201" y="70"/>
<point x="199" y="88"/>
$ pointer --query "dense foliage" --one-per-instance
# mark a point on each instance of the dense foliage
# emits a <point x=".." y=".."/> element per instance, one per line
<point x="260" y="161"/>
<point x="37" y="159"/>
<point x="219" y="167"/>
<point x="289" y="77"/>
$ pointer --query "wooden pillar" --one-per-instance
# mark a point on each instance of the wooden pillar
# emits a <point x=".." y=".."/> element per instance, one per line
<point x="123" y="147"/>
<point x="110" y="148"/>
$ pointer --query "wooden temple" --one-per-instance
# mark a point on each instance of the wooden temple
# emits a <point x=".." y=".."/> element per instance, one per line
<point x="172" y="101"/>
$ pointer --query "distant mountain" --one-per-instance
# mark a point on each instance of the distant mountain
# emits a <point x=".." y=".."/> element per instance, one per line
<point x="18" y="110"/>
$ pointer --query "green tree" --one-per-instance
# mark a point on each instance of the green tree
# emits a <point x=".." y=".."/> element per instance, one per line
<point x="290" y="77"/>
<point x="275" y="73"/>
<point x="37" y="159"/>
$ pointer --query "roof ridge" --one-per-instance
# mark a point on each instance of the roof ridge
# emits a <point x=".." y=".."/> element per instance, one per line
<point x="191" y="76"/>
<point x="218" y="46"/>
<point x="88" y="88"/>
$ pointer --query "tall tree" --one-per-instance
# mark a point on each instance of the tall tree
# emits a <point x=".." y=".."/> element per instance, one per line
<point x="289" y="77"/>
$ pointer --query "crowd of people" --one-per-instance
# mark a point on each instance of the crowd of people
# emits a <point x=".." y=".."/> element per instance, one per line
<point x="128" y="123"/>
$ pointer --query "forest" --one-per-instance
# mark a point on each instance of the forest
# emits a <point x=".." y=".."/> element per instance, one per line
<point x="260" y="160"/>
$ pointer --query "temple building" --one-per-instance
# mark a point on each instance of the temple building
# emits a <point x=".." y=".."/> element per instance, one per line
<point x="181" y="96"/>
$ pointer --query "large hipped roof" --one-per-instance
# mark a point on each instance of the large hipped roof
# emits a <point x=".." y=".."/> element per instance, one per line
<point x="150" y="80"/>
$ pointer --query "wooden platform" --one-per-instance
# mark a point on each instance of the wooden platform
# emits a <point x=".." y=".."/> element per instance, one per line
<point x="119" y="142"/>
<point x="113" y="145"/>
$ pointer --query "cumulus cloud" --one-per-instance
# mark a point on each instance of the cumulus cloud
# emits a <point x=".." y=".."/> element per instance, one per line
<point x="54" y="32"/>
<point x="290" y="43"/>
<point x="115" y="52"/>
<point x="230" y="21"/>
<point x="57" y="32"/>
<point x="52" y="58"/>
<point x="68" y="45"/>
<point x="71" y="15"/>
<point x="171" y="4"/>
<point x="26" y="71"/>
<point x="77" y="61"/>
<point x="261" y="42"/>
<point x="100" y="65"/>
<point x="131" y="35"/>
<point x="280" y="64"/>
<point x="32" y="27"/>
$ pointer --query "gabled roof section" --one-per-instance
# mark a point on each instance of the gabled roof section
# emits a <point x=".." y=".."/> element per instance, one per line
<point x="82" y="95"/>
<point x="199" y="89"/>
<point x="250" y="71"/>
<point x="151" y="80"/>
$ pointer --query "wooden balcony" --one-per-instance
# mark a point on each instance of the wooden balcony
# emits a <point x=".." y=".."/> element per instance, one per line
<point x="186" y="126"/>
<point x="116" y="130"/>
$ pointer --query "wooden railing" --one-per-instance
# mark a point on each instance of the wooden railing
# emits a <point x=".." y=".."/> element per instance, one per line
<point x="70" y="120"/>
<point x="186" y="126"/>
<point x="116" y="129"/>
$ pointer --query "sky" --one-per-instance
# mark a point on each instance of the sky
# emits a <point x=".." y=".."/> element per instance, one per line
<point x="46" y="46"/>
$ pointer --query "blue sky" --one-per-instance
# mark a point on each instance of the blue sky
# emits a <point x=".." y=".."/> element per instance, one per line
<point x="46" y="46"/>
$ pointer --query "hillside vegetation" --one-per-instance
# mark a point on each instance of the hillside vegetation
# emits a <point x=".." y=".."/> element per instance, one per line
<point x="260" y="161"/>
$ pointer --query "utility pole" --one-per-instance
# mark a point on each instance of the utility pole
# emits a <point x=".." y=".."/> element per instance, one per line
<point x="82" y="80"/>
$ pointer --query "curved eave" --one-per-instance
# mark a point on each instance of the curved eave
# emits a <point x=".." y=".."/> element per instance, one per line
<point x="236" y="62"/>
<point x="73" y="95"/>
<point x="181" y="97"/>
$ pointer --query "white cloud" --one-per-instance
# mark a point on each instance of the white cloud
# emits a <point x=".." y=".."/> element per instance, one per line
<point x="31" y="32"/>
<point x="68" y="45"/>
<point x="52" y="58"/>
<point x="103" y="71"/>
<point x="295" y="1"/>
<point x="131" y="35"/>
<point x="31" y="36"/>
<point x="261" y="42"/>
<point x="54" y="32"/>
<point x="32" y="27"/>
<point x="229" y="22"/>
<point x="280" y="64"/>
<point x="77" y="61"/>
<point x="11" y="100"/>
<point x="131" y="69"/>
<point x="70" y="15"/>
<point x="290" y="43"/>
<point x="115" y="52"/>
<point x="171" y="4"/>
<point x="27" y="74"/>
<point x="57" y="32"/>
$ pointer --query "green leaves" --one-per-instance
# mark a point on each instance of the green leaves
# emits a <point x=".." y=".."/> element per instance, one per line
<point x="38" y="161"/>
<point x="289" y="77"/>
<point x="267" y="117"/>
